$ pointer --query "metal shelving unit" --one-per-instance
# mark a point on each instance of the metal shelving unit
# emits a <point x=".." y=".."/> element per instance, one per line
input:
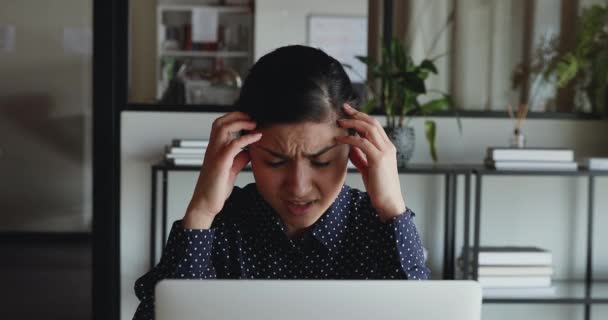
<point x="585" y="292"/>
<point x="568" y="292"/>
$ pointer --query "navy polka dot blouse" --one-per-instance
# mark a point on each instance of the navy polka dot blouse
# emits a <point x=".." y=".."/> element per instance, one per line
<point x="247" y="241"/>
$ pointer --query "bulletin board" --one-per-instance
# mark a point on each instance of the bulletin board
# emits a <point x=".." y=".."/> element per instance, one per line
<point x="342" y="37"/>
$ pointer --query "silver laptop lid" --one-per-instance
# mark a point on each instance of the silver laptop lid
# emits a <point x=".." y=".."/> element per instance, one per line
<point x="317" y="299"/>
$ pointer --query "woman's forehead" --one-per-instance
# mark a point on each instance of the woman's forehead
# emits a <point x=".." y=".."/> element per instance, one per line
<point x="306" y="137"/>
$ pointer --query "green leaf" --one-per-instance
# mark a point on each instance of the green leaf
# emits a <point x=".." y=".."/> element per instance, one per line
<point x="399" y="55"/>
<point x="423" y="74"/>
<point x="567" y="68"/>
<point x="369" y="106"/>
<point x="428" y="65"/>
<point x="430" y="129"/>
<point x="412" y="82"/>
<point x="433" y="106"/>
<point x="366" y="60"/>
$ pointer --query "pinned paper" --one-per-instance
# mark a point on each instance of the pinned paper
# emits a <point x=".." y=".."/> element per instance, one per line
<point x="342" y="37"/>
<point x="78" y="41"/>
<point x="204" y="25"/>
<point x="7" y="38"/>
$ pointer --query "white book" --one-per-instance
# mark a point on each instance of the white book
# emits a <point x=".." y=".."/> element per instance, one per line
<point x="514" y="281"/>
<point x="533" y="165"/>
<point x="540" y="292"/>
<point x="186" y="162"/>
<point x="514" y="256"/>
<point x="530" y="154"/>
<point x="597" y="163"/>
<point x="192" y="162"/>
<point x="183" y="150"/>
<point x="515" y="271"/>
<point x="190" y="143"/>
<point x="184" y="156"/>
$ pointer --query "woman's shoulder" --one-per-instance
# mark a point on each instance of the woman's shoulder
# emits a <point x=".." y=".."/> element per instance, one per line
<point x="355" y="196"/>
<point x="360" y="205"/>
<point x="242" y="204"/>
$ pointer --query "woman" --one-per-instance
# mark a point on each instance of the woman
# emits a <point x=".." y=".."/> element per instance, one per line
<point x="296" y="126"/>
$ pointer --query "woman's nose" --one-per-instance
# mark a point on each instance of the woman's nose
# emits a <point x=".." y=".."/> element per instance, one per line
<point x="299" y="181"/>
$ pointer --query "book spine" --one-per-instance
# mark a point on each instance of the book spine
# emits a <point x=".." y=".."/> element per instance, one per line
<point x="515" y="259"/>
<point x="530" y="155"/>
<point x="190" y="143"/>
<point x="515" y="271"/>
<point x="514" y="282"/>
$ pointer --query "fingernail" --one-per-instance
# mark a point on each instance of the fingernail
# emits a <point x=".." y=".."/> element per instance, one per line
<point x="346" y="106"/>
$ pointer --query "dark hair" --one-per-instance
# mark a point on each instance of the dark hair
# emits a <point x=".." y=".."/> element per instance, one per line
<point x="296" y="84"/>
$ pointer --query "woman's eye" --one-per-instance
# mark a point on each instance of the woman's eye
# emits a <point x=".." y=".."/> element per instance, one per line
<point x="320" y="164"/>
<point x="275" y="164"/>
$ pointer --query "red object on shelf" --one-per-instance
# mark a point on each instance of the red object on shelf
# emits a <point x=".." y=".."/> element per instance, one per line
<point x="187" y="37"/>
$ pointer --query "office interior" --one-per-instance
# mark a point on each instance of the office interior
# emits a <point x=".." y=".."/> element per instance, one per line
<point x="88" y="107"/>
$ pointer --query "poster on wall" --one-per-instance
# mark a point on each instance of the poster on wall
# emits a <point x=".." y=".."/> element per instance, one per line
<point x="7" y="38"/>
<point x="342" y="37"/>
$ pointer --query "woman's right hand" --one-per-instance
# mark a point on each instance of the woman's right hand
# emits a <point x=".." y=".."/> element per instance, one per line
<point x="224" y="159"/>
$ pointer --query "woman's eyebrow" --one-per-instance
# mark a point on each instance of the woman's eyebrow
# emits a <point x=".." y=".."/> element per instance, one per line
<point x="307" y="155"/>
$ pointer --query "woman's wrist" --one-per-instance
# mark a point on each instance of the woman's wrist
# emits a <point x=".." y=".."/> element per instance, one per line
<point x="196" y="219"/>
<point x="386" y="214"/>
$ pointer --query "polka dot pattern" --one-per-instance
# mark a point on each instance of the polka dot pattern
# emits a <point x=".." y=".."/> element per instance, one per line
<point x="247" y="241"/>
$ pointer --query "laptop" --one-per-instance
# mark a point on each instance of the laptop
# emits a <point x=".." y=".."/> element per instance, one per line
<point x="317" y="299"/>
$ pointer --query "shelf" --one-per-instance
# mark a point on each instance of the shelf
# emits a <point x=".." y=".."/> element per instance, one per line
<point x="442" y="114"/>
<point x="203" y="108"/>
<point x="567" y="292"/>
<point x="411" y="169"/>
<point x="599" y="291"/>
<point x="430" y="169"/>
<point x="580" y="172"/>
<point x="205" y="54"/>
<point x="221" y="9"/>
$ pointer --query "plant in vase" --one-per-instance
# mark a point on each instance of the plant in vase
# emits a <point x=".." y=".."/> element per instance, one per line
<point x="585" y="66"/>
<point x="402" y="84"/>
<point x="587" y="63"/>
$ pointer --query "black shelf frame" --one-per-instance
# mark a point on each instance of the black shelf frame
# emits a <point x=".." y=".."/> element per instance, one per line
<point x="216" y="108"/>
<point x="110" y="78"/>
<point x="450" y="173"/>
<point x="479" y="173"/>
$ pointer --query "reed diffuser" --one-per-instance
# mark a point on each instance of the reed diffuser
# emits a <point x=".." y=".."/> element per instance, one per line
<point x="518" y="139"/>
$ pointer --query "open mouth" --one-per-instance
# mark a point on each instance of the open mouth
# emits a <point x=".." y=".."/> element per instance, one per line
<point x="299" y="208"/>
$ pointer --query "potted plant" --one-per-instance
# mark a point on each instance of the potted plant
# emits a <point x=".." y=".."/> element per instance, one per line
<point x="587" y="63"/>
<point x="585" y="66"/>
<point x="402" y="84"/>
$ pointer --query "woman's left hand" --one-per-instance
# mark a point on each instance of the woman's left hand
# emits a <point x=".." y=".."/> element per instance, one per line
<point x="375" y="157"/>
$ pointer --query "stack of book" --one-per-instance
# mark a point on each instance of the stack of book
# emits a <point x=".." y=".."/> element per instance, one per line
<point x="597" y="163"/>
<point x="186" y="152"/>
<point x="515" y="272"/>
<point x="531" y="159"/>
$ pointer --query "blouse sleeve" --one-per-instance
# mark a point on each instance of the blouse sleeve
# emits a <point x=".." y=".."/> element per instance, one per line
<point x="187" y="254"/>
<point x="190" y="254"/>
<point x="406" y="253"/>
